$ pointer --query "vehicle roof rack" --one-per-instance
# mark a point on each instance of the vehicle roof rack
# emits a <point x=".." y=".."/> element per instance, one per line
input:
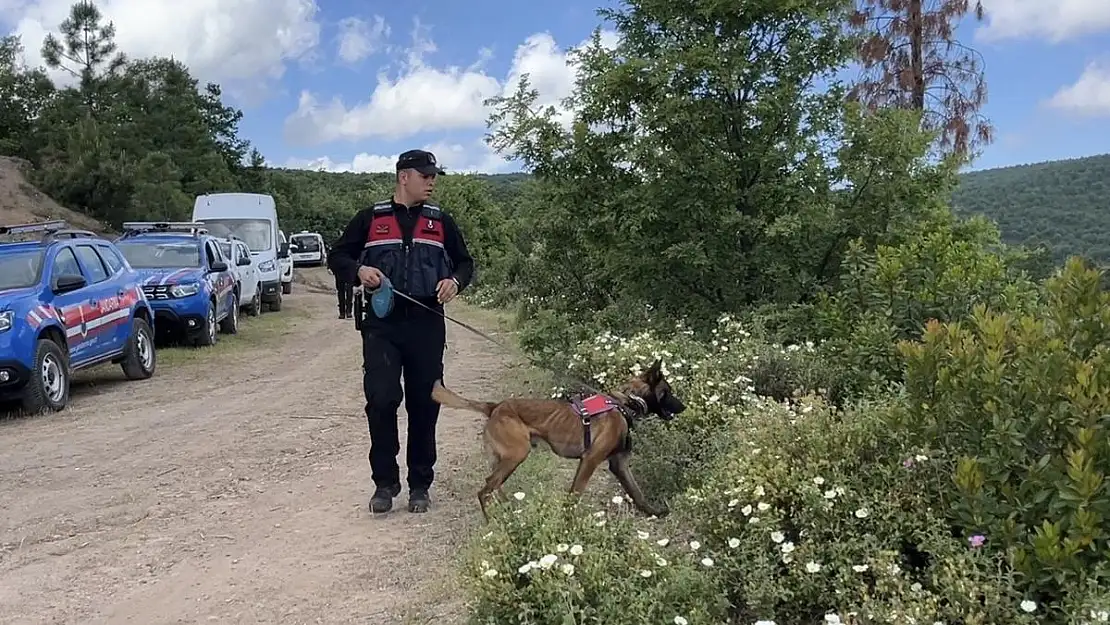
<point x="52" y="229"/>
<point x="132" y="228"/>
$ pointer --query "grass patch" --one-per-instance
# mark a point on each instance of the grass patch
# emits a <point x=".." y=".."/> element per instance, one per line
<point x="266" y="329"/>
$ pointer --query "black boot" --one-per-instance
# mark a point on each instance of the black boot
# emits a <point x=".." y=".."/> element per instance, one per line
<point x="382" y="500"/>
<point x="419" y="501"/>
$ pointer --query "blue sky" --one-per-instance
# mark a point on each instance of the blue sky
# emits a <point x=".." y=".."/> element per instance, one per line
<point x="339" y="84"/>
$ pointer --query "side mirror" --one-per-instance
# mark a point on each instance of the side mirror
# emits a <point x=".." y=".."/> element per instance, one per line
<point x="69" y="282"/>
<point x="218" y="266"/>
<point x="283" y="251"/>
<point x="243" y="261"/>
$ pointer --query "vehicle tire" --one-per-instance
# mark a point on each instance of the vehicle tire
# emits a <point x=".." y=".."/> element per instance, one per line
<point x="48" y="388"/>
<point x="275" y="306"/>
<point x="255" y="307"/>
<point x="208" y="331"/>
<point x="287" y="287"/>
<point x="230" y="324"/>
<point x="139" y="357"/>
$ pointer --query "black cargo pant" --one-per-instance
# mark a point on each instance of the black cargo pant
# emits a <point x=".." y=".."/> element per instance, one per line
<point x="345" y="292"/>
<point x="409" y="344"/>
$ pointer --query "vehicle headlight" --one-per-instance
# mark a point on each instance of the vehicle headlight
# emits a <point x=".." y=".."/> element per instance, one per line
<point x="185" y="290"/>
<point x="267" y="266"/>
<point x="7" y="318"/>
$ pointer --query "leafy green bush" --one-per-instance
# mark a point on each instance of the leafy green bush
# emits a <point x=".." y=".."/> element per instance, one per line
<point x="1018" y="403"/>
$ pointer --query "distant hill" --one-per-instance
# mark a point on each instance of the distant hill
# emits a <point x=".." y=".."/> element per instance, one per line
<point x="1064" y="205"/>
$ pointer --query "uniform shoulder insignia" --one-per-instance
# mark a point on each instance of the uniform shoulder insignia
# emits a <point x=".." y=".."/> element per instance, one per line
<point x="432" y="211"/>
<point x="383" y="207"/>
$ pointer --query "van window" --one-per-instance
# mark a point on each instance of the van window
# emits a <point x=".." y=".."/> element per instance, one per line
<point x="256" y="233"/>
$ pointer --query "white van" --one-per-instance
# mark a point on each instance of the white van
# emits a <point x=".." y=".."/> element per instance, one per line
<point x="251" y="218"/>
<point x="285" y="263"/>
<point x="307" y="249"/>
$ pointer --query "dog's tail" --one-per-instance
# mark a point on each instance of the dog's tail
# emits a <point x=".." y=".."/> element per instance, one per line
<point x="444" y="397"/>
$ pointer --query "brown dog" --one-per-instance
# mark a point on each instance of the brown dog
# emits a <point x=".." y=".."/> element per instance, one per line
<point x="593" y="431"/>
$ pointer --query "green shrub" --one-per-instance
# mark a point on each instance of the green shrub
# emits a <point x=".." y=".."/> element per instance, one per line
<point x="823" y="513"/>
<point x="1019" y="405"/>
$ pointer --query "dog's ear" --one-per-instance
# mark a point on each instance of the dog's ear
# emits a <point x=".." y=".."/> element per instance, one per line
<point x="654" y="374"/>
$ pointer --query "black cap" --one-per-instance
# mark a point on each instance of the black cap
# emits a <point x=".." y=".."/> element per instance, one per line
<point x="420" y="160"/>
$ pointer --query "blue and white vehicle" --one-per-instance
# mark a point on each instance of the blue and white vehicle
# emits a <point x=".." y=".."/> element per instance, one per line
<point x="251" y="218"/>
<point x="68" y="301"/>
<point x="185" y="277"/>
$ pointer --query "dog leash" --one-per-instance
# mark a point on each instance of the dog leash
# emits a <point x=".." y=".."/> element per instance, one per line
<point x="386" y="290"/>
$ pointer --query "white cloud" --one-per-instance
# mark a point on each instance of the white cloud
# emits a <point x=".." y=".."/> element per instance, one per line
<point x="455" y="157"/>
<point x="1053" y="20"/>
<point x="429" y="99"/>
<point x="1088" y="96"/>
<point x="241" y="43"/>
<point x="359" y="39"/>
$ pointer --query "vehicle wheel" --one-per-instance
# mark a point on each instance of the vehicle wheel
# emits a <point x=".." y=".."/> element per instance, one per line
<point x="230" y="324"/>
<point x="208" y="332"/>
<point x="287" y="287"/>
<point x="48" y="388"/>
<point x="139" y="359"/>
<point x="275" y="305"/>
<point x="255" y="307"/>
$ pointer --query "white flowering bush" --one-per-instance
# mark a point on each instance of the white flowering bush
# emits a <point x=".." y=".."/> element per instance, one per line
<point x="541" y="561"/>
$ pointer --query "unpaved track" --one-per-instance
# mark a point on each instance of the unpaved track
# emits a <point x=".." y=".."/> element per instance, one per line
<point x="186" y="499"/>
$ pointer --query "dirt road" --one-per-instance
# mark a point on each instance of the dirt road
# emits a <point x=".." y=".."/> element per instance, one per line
<point x="231" y="490"/>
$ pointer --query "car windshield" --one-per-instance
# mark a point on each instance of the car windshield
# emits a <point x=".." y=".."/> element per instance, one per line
<point x="19" y="269"/>
<point x="155" y="255"/>
<point x="307" y="244"/>
<point x="256" y="233"/>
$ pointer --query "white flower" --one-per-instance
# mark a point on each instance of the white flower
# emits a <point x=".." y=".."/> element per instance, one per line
<point x="813" y="567"/>
<point x="833" y="618"/>
<point x="490" y="572"/>
<point x="1029" y="606"/>
<point x="660" y="561"/>
<point x="862" y="513"/>
<point x="778" y="537"/>
<point x="764" y="623"/>
<point x="663" y="542"/>
<point x="518" y="495"/>
<point x="763" y="507"/>
<point x="830" y="494"/>
<point x="618" y="499"/>
<point x="733" y="543"/>
<point x="642" y="535"/>
<point x="818" y="480"/>
<point x="548" y="560"/>
<point x="916" y="587"/>
<point x="567" y="568"/>
<point x="759" y="491"/>
<point x="678" y="620"/>
<point x="753" y="520"/>
<point x="525" y="568"/>
<point x="787" y="547"/>
<point x="645" y="573"/>
<point x="859" y="568"/>
<point x="746" y="510"/>
<point x="707" y="561"/>
<point x="733" y="503"/>
<point x="576" y="550"/>
<point x="920" y="458"/>
<point x="695" y="545"/>
<point x="561" y="547"/>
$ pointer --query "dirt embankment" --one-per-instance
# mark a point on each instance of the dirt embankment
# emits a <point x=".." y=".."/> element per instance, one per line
<point x="21" y="202"/>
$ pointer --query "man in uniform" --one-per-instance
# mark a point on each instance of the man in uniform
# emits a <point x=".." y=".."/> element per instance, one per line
<point x="344" y="290"/>
<point x="419" y="248"/>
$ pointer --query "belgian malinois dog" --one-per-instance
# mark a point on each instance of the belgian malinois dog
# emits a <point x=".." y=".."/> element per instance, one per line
<point x="601" y="434"/>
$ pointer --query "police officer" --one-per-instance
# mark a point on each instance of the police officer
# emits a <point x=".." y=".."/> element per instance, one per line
<point x="420" y="249"/>
<point x="344" y="290"/>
